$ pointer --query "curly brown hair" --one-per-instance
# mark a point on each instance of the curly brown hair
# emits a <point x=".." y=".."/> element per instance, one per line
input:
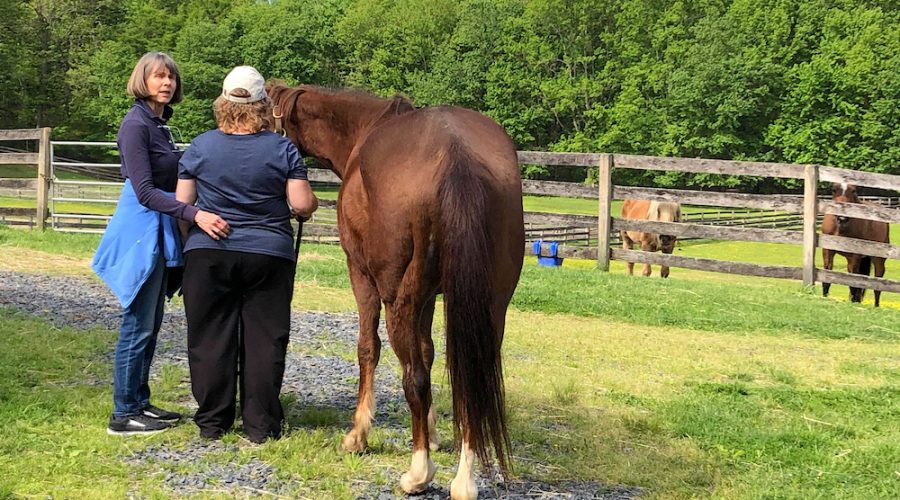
<point x="251" y="117"/>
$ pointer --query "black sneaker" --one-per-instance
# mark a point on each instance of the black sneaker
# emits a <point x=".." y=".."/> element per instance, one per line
<point x="134" y="425"/>
<point x="159" y="414"/>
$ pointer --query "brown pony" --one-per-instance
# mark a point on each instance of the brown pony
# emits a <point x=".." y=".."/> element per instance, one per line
<point x="650" y="242"/>
<point x="863" y="229"/>
<point x="430" y="203"/>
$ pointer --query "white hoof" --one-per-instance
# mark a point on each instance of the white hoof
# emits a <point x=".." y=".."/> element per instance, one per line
<point x="463" y="489"/>
<point x="420" y="474"/>
<point x="354" y="442"/>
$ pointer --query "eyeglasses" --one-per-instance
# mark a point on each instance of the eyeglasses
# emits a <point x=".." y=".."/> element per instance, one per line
<point x="168" y="130"/>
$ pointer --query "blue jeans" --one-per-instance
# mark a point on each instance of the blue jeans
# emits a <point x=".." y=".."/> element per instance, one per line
<point x="137" y="343"/>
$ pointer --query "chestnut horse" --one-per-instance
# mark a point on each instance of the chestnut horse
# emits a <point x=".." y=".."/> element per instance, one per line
<point x="430" y="203"/>
<point x="650" y="242"/>
<point x="863" y="229"/>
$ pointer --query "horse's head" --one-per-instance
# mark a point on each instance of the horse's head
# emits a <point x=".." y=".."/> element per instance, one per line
<point x="666" y="212"/>
<point x="303" y="113"/>
<point x="844" y="193"/>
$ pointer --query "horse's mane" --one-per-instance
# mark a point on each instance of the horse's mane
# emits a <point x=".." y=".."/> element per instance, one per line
<point x="286" y="97"/>
<point x="664" y="211"/>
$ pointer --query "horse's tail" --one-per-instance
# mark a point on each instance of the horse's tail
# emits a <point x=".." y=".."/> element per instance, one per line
<point x="473" y="340"/>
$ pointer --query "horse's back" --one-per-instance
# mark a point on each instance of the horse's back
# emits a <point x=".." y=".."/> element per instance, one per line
<point x="635" y="209"/>
<point x="416" y="145"/>
<point x="403" y="160"/>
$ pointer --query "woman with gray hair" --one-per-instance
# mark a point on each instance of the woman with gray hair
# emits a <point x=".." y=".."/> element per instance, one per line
<point x="237" y="291"/>
<point x="140" y="247"/>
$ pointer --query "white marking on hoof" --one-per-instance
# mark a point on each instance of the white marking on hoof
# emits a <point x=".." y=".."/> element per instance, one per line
<point x="354" y="442"/>
<point x="421" y="472"/>
<point x="434" y="440"/>
<point x="463" y="485"/>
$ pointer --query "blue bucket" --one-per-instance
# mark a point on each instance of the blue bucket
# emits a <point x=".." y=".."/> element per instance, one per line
<point x="547" y="254"/>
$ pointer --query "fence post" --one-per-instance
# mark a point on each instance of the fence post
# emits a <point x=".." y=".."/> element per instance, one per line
<point x="604" y="178"/>
<point x="43" y="184"/>
<point x="810" y="200"/>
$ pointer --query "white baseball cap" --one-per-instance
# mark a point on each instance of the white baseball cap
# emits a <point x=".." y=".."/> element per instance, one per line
<point x="244" y="78"/>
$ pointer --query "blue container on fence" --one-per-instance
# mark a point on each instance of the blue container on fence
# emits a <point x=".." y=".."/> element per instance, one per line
<point x="547" y="255"/>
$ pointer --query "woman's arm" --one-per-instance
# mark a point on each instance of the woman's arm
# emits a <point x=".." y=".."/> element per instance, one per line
<point x="301" y="198"/>
<point x="210" y="223"/>
<point x="133" y="141"/>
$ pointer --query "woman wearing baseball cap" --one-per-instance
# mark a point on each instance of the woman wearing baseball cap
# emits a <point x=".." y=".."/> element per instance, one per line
<point x="237" y="291"/>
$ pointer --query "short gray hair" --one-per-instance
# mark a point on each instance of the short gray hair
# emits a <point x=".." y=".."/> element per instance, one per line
<point x="137" y="84"/>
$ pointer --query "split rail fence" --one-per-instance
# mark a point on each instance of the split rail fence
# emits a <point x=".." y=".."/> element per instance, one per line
<point x="809" y="205"/>
<point x="53" y="192"/>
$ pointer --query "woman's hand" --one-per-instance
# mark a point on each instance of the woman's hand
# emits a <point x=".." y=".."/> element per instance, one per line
<point x="212" y="224"/>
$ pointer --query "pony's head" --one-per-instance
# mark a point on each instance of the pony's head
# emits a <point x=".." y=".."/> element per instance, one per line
<point x="665" y="212"/>
<point x="844" y="193"/>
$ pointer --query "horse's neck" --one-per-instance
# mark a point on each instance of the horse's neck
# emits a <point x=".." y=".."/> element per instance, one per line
<point x="358" y="119"/>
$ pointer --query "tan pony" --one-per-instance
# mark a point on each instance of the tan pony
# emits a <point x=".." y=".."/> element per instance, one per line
<point x="650" y="242"/>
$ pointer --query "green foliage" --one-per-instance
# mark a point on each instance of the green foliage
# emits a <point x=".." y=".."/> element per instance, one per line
<point x="771" y="80"/>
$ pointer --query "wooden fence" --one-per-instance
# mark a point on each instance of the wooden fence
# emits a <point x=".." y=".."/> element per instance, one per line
<point x="40" y="159"/>
<point x="809" y="205"/>
<point x="605" y="227"/>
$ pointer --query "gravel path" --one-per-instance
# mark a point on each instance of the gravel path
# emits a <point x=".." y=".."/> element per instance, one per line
<point x="320" y="372"/>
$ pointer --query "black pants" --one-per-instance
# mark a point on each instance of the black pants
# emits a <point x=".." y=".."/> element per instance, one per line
<point x="238" y="308"/>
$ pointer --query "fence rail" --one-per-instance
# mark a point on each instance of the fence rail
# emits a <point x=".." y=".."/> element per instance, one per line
<point x="790" y="210"/>
<point x="809" y="205"/>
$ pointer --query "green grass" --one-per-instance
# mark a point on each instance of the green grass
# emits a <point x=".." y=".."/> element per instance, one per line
<point x="686" y="388"/>
<point x="76" y="245"/>
<point x="713" y="306"/>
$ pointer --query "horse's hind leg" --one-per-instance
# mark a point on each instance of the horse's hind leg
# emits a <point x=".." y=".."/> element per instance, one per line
<point x="403" y="320"/>
<point x="828" y="264"/>
<point x="853" y="261"/>
<point x="427" y="347"/>
<point x="368" y="351"/>
<point x="879" y="273"/>
<point x="463" y="486"/>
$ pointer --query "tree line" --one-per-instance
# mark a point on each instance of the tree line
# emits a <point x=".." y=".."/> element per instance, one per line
<point x="801" y="81"/>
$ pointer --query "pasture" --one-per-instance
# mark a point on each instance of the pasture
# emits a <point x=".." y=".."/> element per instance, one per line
<point x="734" y="387"/>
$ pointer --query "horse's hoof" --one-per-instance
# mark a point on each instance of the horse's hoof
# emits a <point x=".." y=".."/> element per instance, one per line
<point x="464" y="489"/>
<point x="354" y="443"/>
<point x="410" y="484"/>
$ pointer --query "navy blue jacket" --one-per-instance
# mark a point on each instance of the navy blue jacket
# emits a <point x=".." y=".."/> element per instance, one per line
<point x="150" y="160"/>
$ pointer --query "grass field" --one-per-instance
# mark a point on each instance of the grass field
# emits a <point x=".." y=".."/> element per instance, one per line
<point x="687" y="387"/>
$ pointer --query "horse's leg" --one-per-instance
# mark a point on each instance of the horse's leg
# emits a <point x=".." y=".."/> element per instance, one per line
<point x="427" y="347"/>
<point x="403" y="319"/>
<point x="664" y="270"/>
<point x="879" y="273"/>
<point x="368" y="352"/>
<point x="626" y="245"/>
<point x="853" y="268"/>
<point x="647" y="247"/>
<point x="828" y="264"/>
<point x="463" y="486"/>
